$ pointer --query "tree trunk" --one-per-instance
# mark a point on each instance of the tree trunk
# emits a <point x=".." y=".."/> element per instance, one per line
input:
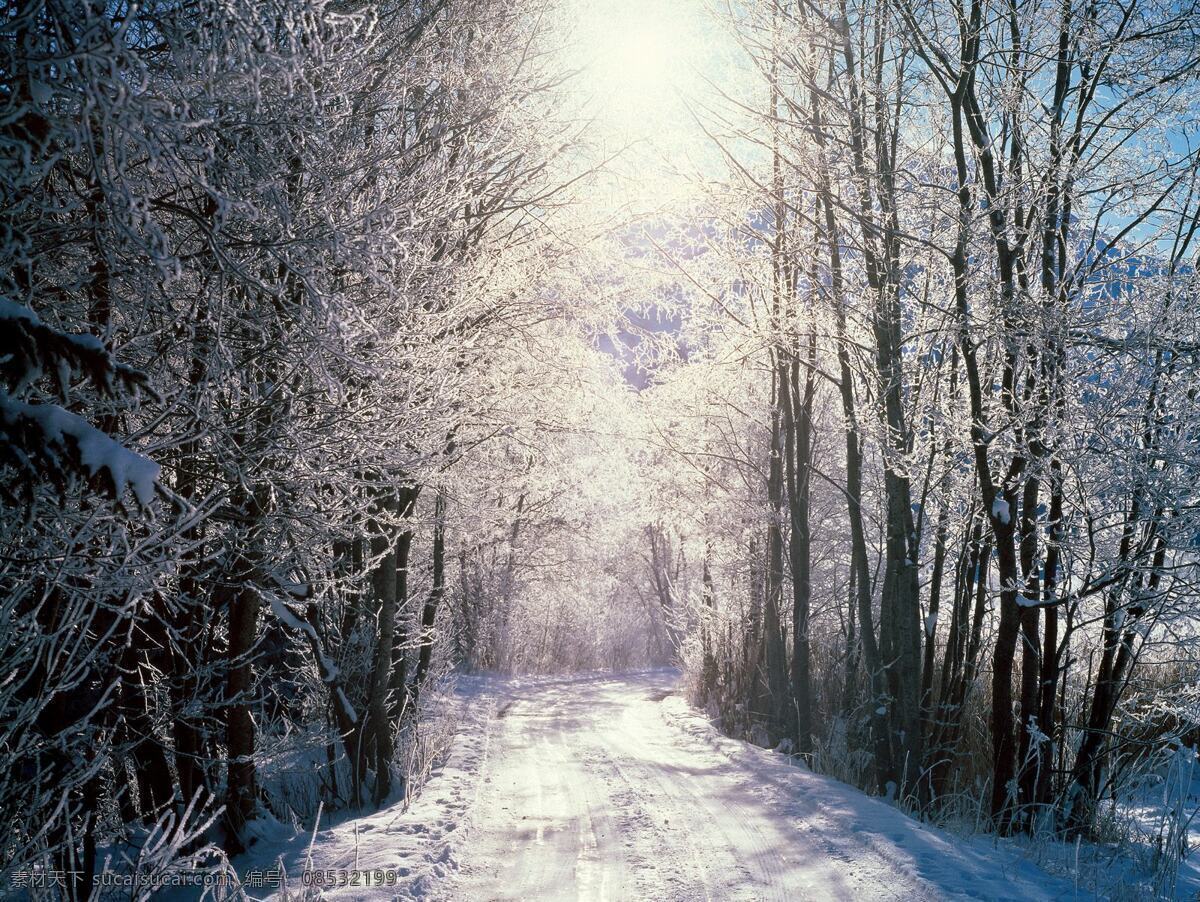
<point x="351" y="726"/>
<point x="241" y="798"/>
<point x="398" y="699"/>
<point x="241" y="795"/>
<point x="885" y="764"/>
<point x="774" y="649"/>
<point x="798" y="428"/>
<point x="383" y="586"/>
<point x="156" y="788"/>
<point x="928" y="706"/>
<point x="709" y="674"/>
<point x="962" y="650"/>
<point x="900" y="603"/>
<point x="1004" y="747"/>
<point x="1048" y="711"/>
<point x="436" y="591"/>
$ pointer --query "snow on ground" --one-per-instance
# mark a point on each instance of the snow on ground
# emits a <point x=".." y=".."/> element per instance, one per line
<point x="613" y="787"/>
<point x="1156" y="809"/>
<point x="1159" y="809"/>
<point x="417" y="847"/>
<point x="405" y="850"/>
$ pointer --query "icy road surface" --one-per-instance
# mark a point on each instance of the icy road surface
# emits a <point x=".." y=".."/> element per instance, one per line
<point x="614" y="788"/>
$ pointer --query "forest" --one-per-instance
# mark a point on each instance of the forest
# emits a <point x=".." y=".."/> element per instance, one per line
<point x="841" y="355"/>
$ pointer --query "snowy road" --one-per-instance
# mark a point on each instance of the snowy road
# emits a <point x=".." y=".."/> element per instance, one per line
<point x="613" y="788"/>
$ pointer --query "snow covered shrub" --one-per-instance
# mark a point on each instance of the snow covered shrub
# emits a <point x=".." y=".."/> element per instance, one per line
<point x="172" y="850"/>
<point x="1180" y="805"/>
<point x="835" y="755"/>
<point x="425" y="739"/>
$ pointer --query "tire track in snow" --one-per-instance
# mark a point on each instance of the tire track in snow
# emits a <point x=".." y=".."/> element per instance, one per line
<point x="548" y="829"/>
<point x="651" y="766"/>
<point x="613" y="788"/>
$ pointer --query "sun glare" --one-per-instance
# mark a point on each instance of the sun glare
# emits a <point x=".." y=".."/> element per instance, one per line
<point x="642" y="58"/>
<point x="638" y="61"/>
<point x="642" y="66"/>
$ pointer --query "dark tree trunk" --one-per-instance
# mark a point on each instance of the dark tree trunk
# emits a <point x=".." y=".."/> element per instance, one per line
<point x="241" y="797"/>
<point x="709" y="674"/>
<point x="885" y="764"/>
<point x="1032" y="752"/>
<point x="351" y="727"/>
<point x="853" y="648"/>
<point x="1139" y="534"/>
<point x="1118" y="658"/>
<point x="398" y="704"/>
<point x="752" y="649"/>
<point x="962" y="650"/>
<point x="1084" y="789"/>
<point x="798" y="428"/>
<point x="345" y="719"/>
<point x="780" y="715"/>
<point x="928" y="706"/>
<point x="900" y="603"/>
<point x="186" y="690"/>
<point x="1004" y="746"/>
<point x="242" y="793"/>
<point x="398" y="699"/>
<point x="383" y="586"/>
<point x="1048" y="711"/>
<point x="776" y="680"/>
<point x="436" y="591"/>
<point x="156" y="789"/>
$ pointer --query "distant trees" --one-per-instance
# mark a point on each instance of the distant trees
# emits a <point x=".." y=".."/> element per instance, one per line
<point x="555" y="563"/>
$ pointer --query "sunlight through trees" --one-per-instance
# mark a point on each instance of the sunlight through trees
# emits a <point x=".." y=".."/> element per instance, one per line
<point x="841" y="353"/>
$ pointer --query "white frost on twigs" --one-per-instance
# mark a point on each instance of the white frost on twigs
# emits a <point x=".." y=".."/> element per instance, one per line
<point x="329" y="670"/>
<point x="285" y="615"/>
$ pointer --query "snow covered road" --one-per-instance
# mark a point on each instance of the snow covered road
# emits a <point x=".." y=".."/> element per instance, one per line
<point x="614" y="788"/>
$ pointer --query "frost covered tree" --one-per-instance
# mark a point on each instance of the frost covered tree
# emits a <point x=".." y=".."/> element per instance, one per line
<point x="955" y="235"/>
<point x="325" y="367"/>
<point x="289" y="227"/>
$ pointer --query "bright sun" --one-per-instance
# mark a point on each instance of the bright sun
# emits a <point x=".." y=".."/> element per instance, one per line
<point x="636" y="59"/>
<point x="641" y="67"/>
<point x="643" y="58"/>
